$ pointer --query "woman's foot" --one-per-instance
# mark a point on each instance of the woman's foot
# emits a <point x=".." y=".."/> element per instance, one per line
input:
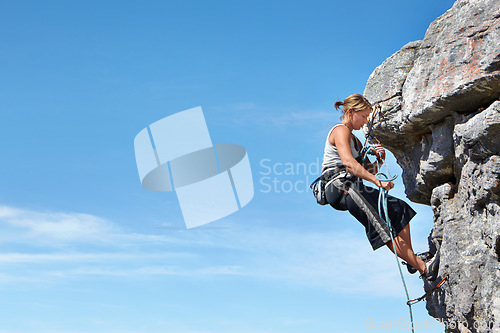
<point x="426" y="256"/>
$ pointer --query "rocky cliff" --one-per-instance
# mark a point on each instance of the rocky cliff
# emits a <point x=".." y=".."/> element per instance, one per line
<point x="441" y="119"/>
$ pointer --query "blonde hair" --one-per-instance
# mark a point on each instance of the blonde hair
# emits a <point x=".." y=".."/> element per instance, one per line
<point x="356" y="102"/>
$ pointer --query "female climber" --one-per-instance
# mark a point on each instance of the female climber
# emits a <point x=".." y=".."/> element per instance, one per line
<point x="344" y="169"/>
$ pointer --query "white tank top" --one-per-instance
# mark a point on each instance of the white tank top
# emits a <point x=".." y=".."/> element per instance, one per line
<point x="331" y="157"/>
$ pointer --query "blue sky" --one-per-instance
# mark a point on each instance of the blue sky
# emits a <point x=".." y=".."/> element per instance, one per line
<point x="84" y="248"/>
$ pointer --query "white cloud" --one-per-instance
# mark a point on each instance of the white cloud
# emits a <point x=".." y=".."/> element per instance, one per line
<point x="158" y="271"/>
<point x="267" y="116"/>
<point x="333" y="261"/>
<point x="46" y="258"/>
<point x="62" y="226"/>
<point x="295" y="118"/>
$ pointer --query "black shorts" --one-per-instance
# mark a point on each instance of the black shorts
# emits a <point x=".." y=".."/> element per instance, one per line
<point x="362" y="202"/>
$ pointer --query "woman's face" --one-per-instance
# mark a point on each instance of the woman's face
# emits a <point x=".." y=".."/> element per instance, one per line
<point x="360" y="118"/>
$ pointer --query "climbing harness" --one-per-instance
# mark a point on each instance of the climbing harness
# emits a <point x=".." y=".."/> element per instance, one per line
<point x="383" y="210"/>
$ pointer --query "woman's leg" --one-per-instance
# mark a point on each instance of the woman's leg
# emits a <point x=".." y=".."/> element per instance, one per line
<point x="361" y="203"/>
<point x="406" y="235"/>
<point x="406" y="253"/>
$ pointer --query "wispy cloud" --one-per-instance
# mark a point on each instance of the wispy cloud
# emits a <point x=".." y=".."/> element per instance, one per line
<point x="159" y="271"/>
<point x="55" y="225"/>
<point x="333" y="261"/>
<point x="45" y="258"/>
<point x="267" y="116"/>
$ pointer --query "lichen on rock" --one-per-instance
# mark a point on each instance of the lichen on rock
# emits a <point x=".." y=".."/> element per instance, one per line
<point x="441" y="119"/>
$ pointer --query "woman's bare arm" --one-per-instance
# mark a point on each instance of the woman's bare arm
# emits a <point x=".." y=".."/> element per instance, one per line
<point x="341" y="137"/>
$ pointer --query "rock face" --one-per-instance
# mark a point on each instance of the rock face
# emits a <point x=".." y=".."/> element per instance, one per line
<point x="441" y="119"/>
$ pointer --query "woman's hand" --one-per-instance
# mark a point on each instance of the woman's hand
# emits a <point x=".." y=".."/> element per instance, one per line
<point x="379" y="152"/>
<point x="385" y="185"/>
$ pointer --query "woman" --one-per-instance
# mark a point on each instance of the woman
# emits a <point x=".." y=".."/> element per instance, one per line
<point x="343" y="169"/>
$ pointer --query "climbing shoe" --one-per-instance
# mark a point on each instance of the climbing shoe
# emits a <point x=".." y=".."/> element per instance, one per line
<point x="432" y="268"/>
<point x="426" y="256"/>
<point x="410" y="268"/>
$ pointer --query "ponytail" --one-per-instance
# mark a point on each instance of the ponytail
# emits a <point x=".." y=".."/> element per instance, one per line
<point x="338" y="104"/>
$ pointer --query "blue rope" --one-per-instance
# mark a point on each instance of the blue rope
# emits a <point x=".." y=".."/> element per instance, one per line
<point x="384" y="215"/>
